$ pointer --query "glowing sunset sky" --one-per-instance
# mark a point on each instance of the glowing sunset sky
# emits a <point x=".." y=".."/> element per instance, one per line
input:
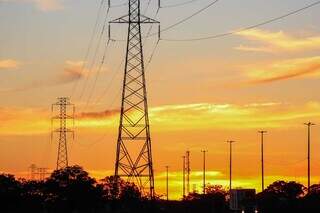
<point x="201" y="94"/>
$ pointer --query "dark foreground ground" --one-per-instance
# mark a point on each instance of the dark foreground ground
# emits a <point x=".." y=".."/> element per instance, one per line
<point x="71" y="190"/>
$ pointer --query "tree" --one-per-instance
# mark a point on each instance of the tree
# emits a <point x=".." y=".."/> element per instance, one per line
<point x="311" y="202"/>
<point x="289" y="190"/>
<point x="281" y="196"/>
<point x="213" y="201"/>
<point x="32" y="194"/>
<point x="71" y="189"/>
<point x="10" y="193"/>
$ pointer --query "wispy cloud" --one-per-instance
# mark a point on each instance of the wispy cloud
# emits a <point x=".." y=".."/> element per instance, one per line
<point x="171" y="118"/>
<point x="9" y="64"/>
<point x="253" y="49"/>
<point x="278" y="41"/>
<point x="43" y="5"/>
<point x="72" y="72"/>
<point x="95" y="115"/>
<point x="284" y="70"/>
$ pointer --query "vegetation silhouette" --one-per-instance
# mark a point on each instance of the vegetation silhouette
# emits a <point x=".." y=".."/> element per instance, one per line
<point x="72" y="190"/>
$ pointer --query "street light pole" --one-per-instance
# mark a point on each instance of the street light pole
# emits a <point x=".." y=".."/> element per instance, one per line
<point x="309" y="147"/>
<point x="262" y="158"/>
<point x="230" y="163"/>
<point x="204" y="170"/>
<point x="167" y="185"/>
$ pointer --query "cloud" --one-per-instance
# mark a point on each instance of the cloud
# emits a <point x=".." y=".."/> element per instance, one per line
<point x="172" y="118"/>
<point x="9" y="64"/>
<point x="95" y="115"/>
<point x="43" y="5"/>
<point x="253" y="49"/>
<point x="284" y="70"/>
<point x="72" y="72"/>
<point x="48" y="5"/>
<point x="278" y="41"/>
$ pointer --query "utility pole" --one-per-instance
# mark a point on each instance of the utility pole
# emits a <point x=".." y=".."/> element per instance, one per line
<point x="230" y="163"/>
<point x="262" y="132"/>
<point x="167" y="182"/>
<point x="188" y="170"/>
<point x="183" y="176"/>
<point x="64" y="117"/>
<point x="136" y="167"/>
<point x="309" y="155"/>
<point x="204" y="171"/>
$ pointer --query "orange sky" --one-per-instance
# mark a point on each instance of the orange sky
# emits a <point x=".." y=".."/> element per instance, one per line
<point x="201" y="94"/>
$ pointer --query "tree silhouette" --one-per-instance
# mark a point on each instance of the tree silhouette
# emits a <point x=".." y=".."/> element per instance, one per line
<point x="71" y="189"/>
<point x="10" y="193"/>
<point x="213" y="201"/>
<point x="32" y="194"/>
<point x="311" y="201"/>
<point x="281" y="196"/>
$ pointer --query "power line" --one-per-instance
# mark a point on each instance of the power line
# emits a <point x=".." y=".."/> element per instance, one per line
<point x="178" y="4"/>
<point x="89" y="45"/>
<point x="103" y="61"/>
<point x="281" y="164"/>
<point x="115" y="74"/>
<point x="248" y="27"/>
<point x="152" y="54"/>
<point x="188" y="17"/>
<point x="94" y="58"/>
<point x="118" y="5"/>
<point x="181" y="21"/>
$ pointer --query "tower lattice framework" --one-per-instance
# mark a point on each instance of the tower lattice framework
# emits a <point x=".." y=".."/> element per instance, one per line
<point x="134" y="154"/>
<point x="64" y="117"/>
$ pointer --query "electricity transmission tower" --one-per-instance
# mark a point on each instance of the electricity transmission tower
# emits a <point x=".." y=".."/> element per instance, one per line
<point x="64" y="116"/>
<point x="33" y="171"/>
<point x="38" y="173"/>
<point x="188" y="170"/>
<point x="134" y="154"/>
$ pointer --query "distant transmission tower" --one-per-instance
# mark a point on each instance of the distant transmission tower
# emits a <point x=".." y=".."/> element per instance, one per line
<point x="43" y="172"/>
<point x="63" y="112"/>
<point x="188" y="170"/>
<point x="33" y="171"/>
<point x="133" y="155"/>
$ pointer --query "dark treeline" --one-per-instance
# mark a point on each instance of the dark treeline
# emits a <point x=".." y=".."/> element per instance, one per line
<point x="71" y="190"/>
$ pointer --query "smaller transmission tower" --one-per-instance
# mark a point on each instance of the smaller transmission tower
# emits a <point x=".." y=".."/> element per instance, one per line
<point x="33" y="171"/>
<point x="43" y="172"/>
<point x="38" y="173"/>
<point x="188" y="171"/>
<point x="63" y="116"/>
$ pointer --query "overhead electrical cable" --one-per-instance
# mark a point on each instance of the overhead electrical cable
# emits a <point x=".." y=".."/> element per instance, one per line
<point x="178" y="4"/>
<point x="102" y="63"/>
<point x="94" y="31"/>
<point x="188" y="17"/>
<point x="181" y="21"/>
<point x="249" y="27"/>
<point x="91" y="67"/>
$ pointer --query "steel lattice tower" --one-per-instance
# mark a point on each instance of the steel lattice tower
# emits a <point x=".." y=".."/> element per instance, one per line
<point x="188" y="170"/>
<point x="134" y="155"/>
<point x="63" y="115"/>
